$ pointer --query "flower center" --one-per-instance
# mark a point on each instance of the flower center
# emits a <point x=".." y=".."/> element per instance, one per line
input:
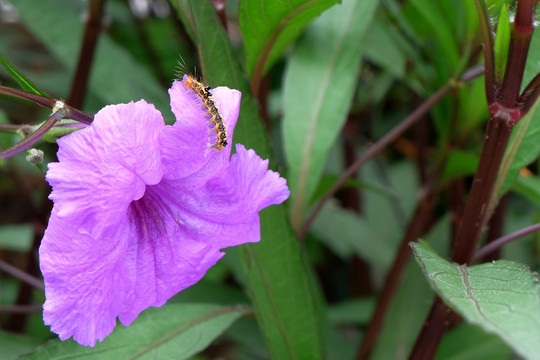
<point x="148" y="215"/>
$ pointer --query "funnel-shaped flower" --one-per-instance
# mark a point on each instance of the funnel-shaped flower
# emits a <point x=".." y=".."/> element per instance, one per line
<point x="142" y="209"/>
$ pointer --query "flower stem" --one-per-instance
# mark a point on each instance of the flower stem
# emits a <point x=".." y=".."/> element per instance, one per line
<point x="21" y="275"/>
<point x="422" y="218"/>
<point x="497" y="135"/>
<point x="30" y="140"/>
<point x="505" y="110"/>
<point x="392" y="135"/>
<point x="21" y="309"/>
<point x="496" y="244"/>
<point x="437" y="320"/>
<point x="70" y="112"/>
<point x="91" y="34"/>
<point x="522" y="32"/>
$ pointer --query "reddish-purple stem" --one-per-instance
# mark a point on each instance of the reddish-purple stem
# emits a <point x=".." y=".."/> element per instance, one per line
<point x="392" y="135"/>
<point x="504" y="111"/>
<point x="70" y="112"/>
<point x="21" y="309"/>
<point x="520" y="41"/>
<point x="422" y="218"/>
<point x="496" y="244"/>
<point x="30" y="139"/>
<point x="21" y="275"/>
<point x="86" y="55"/>
<point x="220" y="8"/>
<point x="496" y="228"/>
<point x="65" y="112"/>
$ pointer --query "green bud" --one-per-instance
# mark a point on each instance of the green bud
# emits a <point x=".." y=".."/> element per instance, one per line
<point x="35" y="157"/>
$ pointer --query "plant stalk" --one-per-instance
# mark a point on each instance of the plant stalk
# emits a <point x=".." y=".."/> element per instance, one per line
<point x="91" y="34"/>
<point x="422" y="219"/>
<point x="392" y="135"/>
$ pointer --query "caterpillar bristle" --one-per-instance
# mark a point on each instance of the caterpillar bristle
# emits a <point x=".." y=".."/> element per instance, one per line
<point x="204" y="92"/>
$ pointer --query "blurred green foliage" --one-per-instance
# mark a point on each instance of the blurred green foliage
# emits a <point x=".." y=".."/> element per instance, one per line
<point x="321" y="82"/>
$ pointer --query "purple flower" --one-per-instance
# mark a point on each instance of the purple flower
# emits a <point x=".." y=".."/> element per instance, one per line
<point x="142" y="209"/>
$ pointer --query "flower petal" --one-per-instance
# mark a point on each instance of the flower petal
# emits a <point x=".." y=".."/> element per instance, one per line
<point x="141" y="210"/>
<point x="243" y="189"/>
<point x="185" y="144"/>
<point x="196" y="136"/>
<point x="101" y="168"/>
<point x="84" y="287"/>
<point x="142" y="261"/>
<point x="224" y="211"/>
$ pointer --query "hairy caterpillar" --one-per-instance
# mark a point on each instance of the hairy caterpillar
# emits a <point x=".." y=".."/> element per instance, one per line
<point x="206" y="96"/>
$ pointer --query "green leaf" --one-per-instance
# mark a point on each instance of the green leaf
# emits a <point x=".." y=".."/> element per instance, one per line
<point x="339" y="229"/>
<point x="533" y="65"/>
<point x="502" y="297"/>
<point x="13" y="345"/>
<point x="405" y="316"/>
<point x="460" y="164"/>
<point x="473" y="344"/>
<point x="356" y="312"/>
<point x="319" y="86"/>
<point x="248" y="339"/>
<point x="286" y="307"/>
<point x="328" y="180"/>
<point x="495" y="6"/>
<point x="502" y="43"/>
<point x="529" y="188"/>
<point x="383" y="47"/>
<point x="438" y="23"/>
<point x="61" y="128"/>
<point x="473" y="109"/>
<point x="523" y="148"/>
<point x="269" y="26"/>
<point x="175" y="331"/>
<point x="22" y="80"/>
<point x="524" y="144"/>
<point x="220" y="67"/>
<point x="115" y="78"/>
<point x="340" y="345"/>
<point x="16" y="237"/>
<point x="410" y="304"/>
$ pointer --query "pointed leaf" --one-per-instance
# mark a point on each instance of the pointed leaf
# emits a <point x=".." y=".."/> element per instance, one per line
<point x="384" y="47"/>
<point x="269" y="26"/>
<point x="175" y="331"/>
<point x="410" y="304"/>
<point x="524" y="144"/>
<point x="319" y="85"/>
<point x="14" y="345"/>
<point x="285" y="306"/>
<point x="533" y="65"/>
<point x="22" y="80"/>
<point x="502" y="297"/>
<point x="502" y="43"/>
<point x="523" y="148"/>
<point x="439" y="22"/>
<point x="473" y="344"/>
<point x="529" y="188"/>
<point x="339" y="229"/>
<point x="115" y="77"/>
<point x="16" y="237"/>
